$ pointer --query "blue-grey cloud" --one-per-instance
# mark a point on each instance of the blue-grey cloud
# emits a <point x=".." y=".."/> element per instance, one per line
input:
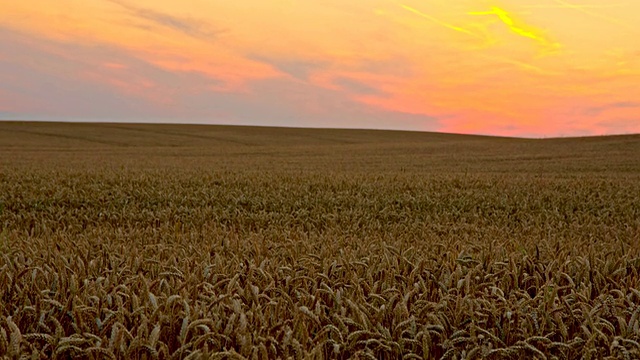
<point x="55" y="90"/>
<point x="284" y="102"/>
<point x="6" y="115"/>
<point x="187" y="25"/>
<point x="621" y="125"/>
<point x="302" y="68"/>
<point x="597" y="110"/>
<point x="299" y="69"/>
<point x="357" y="87"/>
<point x="66" y="79"/>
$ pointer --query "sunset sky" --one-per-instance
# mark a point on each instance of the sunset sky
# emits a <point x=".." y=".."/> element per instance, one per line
<point x="533" y="68"/>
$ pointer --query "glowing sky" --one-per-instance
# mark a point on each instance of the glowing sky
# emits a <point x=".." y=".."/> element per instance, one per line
<point x="532" y="68"/>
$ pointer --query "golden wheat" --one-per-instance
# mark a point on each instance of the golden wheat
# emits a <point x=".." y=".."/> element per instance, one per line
<point x="281" y="255"/>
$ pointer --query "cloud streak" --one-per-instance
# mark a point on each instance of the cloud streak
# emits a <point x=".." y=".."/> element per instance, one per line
<point x="598" y="110"/>
<point x="300" y="69"/>
<point x="442" y="23"/>
<point x="186" y="25"/>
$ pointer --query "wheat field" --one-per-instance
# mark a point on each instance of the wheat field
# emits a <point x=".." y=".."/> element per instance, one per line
<point x="194" y="242"/>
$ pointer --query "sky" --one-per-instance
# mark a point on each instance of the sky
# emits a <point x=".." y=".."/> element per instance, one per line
<point x="529" y="68"/>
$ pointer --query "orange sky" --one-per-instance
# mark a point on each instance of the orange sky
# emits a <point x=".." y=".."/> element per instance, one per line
<point x="521" y="67"/>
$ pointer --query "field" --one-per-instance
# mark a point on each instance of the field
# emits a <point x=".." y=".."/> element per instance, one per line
<point x="183" y="241"/>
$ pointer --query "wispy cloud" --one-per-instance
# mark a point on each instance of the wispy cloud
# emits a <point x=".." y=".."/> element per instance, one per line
<point x="443" y="23"/>
<point x="597" y="110"/>
<point x="621" y="125"/>
<point x="186" y="25"/>
<point x="299" y="69"/>
<point x="356" y="87"/>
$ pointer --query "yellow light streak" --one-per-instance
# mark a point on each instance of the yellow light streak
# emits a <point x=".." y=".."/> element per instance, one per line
<point x="521" y="64"/>
<point x="507" y="19"/>
<point x="442" y="23"/>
